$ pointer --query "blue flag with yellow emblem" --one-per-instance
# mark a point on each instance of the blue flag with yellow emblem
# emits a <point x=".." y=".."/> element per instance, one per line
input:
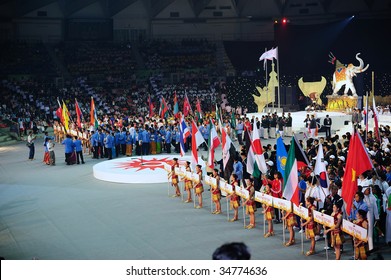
<point x="281" y="154"/>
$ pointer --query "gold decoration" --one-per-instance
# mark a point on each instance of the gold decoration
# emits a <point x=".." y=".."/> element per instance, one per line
<point x="267" y="94"/>
<point x="313" y="90"/>
<point x="341" y="103"/>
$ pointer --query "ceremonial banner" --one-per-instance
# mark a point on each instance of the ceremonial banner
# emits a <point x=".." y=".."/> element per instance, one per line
<point x="178" y="171"/>
<point x="223" y="186"/>
<point x="242" y="192"/>
<point x="263" y="198"/>
<point x="301" y="211"/>
<point x="167" y="167"/>
<point x="195" y="177"/>
<point x="355" y="230"/>
<point x="282" y="204"/>
<point x="207" y="179"/>
<point x="213" y="182"/>
<point x="226" y="187"/>
<point x="188" y="175"/>
<point x="323" y="219"/>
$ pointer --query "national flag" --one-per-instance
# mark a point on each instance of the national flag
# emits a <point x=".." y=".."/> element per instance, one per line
<point x="184" y="133"/>
<point x="93" y="114"/>
<point x="281" y="155"/>
<point x="357" y="162"/>
<point x="269" y="55"/>
<point x="198" y="112"/>
<point x="302" y="159"/>
<point x="186" y="106"/>
<point x="320" y="170"/>
<point x="366" y="115"/>
<point x="65" y="116"/>
<point x="163" y="108"/>
<point x="150" y="106"/>
<point x="79" y="114"/>
<point x="59" y="111"/>
<point x="376" y="120"/>
<point x="196" y="140"/>
<point x="258" y="151"/>
<point x="291" y="178"/>
<point x="233" y="120"/>
<point x="185" y="130"/>
<point x="252" y="166"/>
<point x="226" y="144"/>
<point x="218" y="116"/>
<point x="214" y="142"/>
<point x="176" y="106"/>
<point x="181" y="141"/>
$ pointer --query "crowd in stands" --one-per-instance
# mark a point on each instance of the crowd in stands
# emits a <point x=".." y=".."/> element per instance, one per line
<point x="25" y="59"/>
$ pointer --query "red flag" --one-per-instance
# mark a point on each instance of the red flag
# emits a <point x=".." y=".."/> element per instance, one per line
<point x="186" y="106"/>
<point x="199" y="112"/>
<point x="163" y="108"/>
<point x="357" y="162"/>
<point x="59" y="111"/>
<point x="93" y="114"/>
<point x="150" y="105"/>
<point x="79" y="114"/>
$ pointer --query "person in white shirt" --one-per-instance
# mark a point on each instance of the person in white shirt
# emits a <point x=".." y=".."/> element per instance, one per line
<point x="372" y="215"/>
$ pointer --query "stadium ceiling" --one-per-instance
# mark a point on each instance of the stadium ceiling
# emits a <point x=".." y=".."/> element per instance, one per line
<point x="251" y="9"/>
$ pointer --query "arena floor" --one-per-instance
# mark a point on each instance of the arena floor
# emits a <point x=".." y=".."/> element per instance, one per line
<point x="64" y="213"/>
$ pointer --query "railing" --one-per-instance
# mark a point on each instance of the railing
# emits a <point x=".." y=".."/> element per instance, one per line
<point x="14" y="127"/>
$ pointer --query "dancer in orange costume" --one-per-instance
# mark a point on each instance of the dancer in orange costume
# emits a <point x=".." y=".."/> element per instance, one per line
<point x="310" y="224"/>
<point x="216" y="193"/>
<point x="360" y="252"/>
<point x="290" y="219"/>
<point x="234" y="198"/>
<point x="174" y="178"/>
<point x="250" y="203"/>
<point x="199" y="188"/>
<point x="188" y="183"/>
<point x="268" y="212"/>
<point x="337" y="238"/>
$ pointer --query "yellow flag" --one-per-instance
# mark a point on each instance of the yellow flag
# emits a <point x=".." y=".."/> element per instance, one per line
<point x="65" y="116"/>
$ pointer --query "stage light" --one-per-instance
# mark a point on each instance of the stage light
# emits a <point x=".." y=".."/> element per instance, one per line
<point x="284" y="20"/>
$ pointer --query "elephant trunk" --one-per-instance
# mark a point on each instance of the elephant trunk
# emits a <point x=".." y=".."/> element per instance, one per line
<point x="360" y="60"/>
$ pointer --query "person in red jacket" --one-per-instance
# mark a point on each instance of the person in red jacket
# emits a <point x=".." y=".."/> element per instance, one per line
<point x="276" y="190"/>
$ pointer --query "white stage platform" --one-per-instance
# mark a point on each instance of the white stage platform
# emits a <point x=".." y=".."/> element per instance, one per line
<point x="137" y="170"/>
<point x="298" y="126"/>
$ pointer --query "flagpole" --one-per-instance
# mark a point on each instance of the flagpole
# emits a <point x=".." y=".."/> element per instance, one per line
<point x="266" y="83"/>
<point x="244" y="213"/>
<point x="367" y="117"/>
<point x="278" y="80"/>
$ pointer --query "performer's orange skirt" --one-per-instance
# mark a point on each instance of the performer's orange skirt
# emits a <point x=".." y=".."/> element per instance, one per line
<point x="188" y="185"/>
<point x="129" y="149"/>
<point x="153" y="148"/>
<point x="360" y="253"/>
<point x="199" y="189"/>
<point x="291" y="221"/>
<point x="337" y="239"/>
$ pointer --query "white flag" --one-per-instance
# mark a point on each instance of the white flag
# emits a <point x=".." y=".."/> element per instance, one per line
<point x="269" y="55"/>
